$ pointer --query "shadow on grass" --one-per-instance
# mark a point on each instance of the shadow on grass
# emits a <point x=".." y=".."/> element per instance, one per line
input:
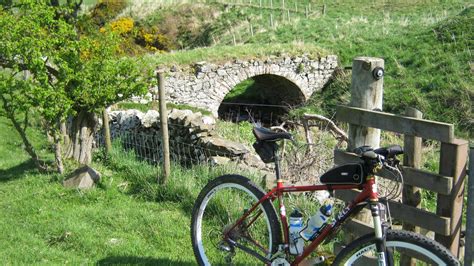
<point x="17" y="171"/>
<point x="131" y="260"/>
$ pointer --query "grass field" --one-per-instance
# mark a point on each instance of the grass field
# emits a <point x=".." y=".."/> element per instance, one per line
<point x="427" y="47"/>
<point x="43" y="223"/>
<point x="129" y="219"/>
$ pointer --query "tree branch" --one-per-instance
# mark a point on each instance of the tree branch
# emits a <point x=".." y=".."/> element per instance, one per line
<point x="24" y="67"/>
<point x="331" y="124"/>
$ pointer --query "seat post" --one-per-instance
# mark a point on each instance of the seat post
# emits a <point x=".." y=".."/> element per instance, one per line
<point x="277" y="163"/>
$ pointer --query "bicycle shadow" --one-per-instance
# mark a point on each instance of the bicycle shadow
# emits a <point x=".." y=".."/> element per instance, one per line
<point x="17" y="171"/>
<point x="132" y="260"/>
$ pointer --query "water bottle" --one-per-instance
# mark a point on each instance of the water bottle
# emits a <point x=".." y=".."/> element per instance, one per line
<point x="296" y="225"/>
<point x="316" y="222"/>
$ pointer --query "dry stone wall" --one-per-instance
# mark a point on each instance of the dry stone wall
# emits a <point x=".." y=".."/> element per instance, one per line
<point x="192" y="137"/>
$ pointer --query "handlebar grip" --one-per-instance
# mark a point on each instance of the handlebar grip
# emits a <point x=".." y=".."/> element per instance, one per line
<point x="390" y="152"/>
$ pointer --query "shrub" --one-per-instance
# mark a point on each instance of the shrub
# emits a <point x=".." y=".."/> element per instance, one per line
<point x="153" y="40"/>
<point x="122" y="26"/>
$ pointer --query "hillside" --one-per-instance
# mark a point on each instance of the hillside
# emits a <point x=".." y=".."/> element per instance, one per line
<point x="427" y="45"/>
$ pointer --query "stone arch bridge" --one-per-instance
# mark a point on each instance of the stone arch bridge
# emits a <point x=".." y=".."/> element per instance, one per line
<point x="289" y="80"/>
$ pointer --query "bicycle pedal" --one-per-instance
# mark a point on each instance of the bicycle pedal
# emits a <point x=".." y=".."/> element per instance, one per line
<point x="224" y="247"/>
<point x="280" y="262"/>
<point x="314" y="261"/>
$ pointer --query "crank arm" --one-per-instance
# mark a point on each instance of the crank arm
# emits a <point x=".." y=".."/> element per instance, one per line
<point x="249" y="251"/>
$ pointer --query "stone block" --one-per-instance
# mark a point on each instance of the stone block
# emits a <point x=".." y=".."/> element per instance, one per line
<point x="151" y="119"/>
<point x="221" y="147"/>
<point x="221" y="72"/>
<point x="82" y="178"/>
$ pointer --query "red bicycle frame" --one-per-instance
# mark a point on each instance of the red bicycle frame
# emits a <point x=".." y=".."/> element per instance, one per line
<point x="368" y="194"/>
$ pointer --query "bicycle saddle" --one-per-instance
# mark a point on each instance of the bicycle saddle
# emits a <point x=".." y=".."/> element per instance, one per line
<point x="265" y="134"/>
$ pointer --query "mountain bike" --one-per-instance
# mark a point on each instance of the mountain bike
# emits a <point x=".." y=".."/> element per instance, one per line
<point x="235" y="222"/>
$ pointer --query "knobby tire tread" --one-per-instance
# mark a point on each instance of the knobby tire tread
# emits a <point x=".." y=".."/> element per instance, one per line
<point x="402" y="236"/>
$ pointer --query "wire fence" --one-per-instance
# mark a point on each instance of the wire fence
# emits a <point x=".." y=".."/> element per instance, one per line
<point x="189" y="146"/>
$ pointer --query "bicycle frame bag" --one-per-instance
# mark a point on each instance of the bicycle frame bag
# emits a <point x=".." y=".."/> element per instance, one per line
<point x="266" y="150"/>
<point x="344" y="174"/>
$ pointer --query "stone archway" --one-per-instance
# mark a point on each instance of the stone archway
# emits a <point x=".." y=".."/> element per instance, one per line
<point x="205" y="85"/>
<point x="265" y="98"/>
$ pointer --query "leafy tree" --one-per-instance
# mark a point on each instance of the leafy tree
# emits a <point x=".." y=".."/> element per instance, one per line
<point x="48" y="67"/>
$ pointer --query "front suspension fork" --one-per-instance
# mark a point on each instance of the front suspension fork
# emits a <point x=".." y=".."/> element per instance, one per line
<point x="380" y="235"/>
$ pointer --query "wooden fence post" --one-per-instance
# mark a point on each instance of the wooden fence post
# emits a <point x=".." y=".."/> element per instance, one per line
<point x="106" y="126"/>
<point x="469" y="249"/>
<point x="453" y="160"/>
<point x="154" y="98"/>
<point x="367" y="93"/>
<point x="164" y="127"/>
<point x="411" y="158"/>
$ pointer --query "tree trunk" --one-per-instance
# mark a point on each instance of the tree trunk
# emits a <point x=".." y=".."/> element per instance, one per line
<point x="81" y="136"/>
<point x="22" y="131"/>
<point x="58" y="155"/>
<point x="64" y="135"/>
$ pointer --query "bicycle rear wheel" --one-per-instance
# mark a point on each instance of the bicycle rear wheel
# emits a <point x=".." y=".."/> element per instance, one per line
<point x="219" y="205"/>
<point x="424" y="250"/>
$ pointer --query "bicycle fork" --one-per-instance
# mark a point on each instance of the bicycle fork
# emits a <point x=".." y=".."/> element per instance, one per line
<point x="380" y="231"/>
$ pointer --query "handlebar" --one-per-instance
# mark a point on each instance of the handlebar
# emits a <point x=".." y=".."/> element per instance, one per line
<point x="384" y="156"/>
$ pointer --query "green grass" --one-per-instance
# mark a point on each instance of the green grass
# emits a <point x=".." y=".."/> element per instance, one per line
<point x="127" y="219"/>
<point x="427" y="48"/>
<point x="43" y="223"/>
<point x="218" y="54"/>
<point x="149" y="106"/>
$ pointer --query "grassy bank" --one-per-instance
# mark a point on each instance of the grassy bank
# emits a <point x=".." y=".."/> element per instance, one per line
<point x="43" y="223"/>
<point x="427" y="47"/>
<point x="219" y="54"/>
<point x="127" y="219"/>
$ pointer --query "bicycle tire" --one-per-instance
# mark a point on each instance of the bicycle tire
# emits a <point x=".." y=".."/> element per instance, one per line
<point x="427" y="251"/>
<point x="210" y="200"/>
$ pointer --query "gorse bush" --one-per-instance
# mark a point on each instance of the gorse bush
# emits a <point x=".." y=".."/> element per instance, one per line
<point x="122" y="25"/>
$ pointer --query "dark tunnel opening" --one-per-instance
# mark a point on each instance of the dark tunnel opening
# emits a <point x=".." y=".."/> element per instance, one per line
<point x="264" y="98"/>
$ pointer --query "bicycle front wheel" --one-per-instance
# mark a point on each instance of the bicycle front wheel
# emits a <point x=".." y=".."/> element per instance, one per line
<point x="221" y="203"/>
<point x="399" y="243"/>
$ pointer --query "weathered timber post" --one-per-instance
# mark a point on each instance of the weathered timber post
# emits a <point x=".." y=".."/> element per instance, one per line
<point x="108" y="141"/>
<point x="469" y="249"/>
<point x="366" y="93"/>
<point x="154" y="98"/>
<point x="412" y="158"/>
<point x="453" y="160"/>
<point x="164" y="127"/>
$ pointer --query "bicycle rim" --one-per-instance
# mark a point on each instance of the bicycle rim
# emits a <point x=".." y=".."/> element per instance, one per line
<point x="368" y="254"/>
<point x="401" y="247"/>
<point x="220" y="208"/>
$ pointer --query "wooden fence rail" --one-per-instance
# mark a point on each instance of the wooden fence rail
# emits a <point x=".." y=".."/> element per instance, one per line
<point x="448" y="183"/>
